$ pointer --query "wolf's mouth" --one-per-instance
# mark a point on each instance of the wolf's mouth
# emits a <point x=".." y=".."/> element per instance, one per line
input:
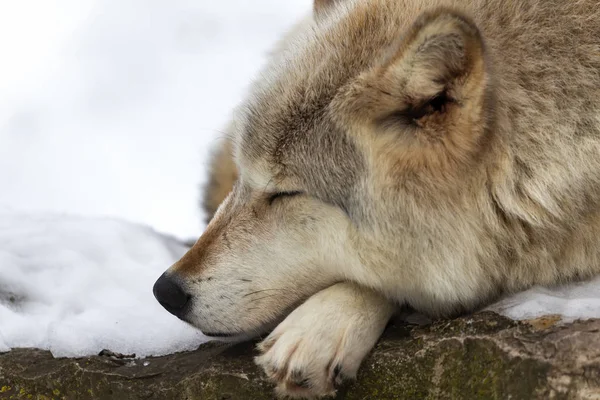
<point x="221" y="334"/>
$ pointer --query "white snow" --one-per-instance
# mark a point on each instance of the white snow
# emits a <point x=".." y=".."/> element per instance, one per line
<point x="580" y="300"/>
<point x="107" y="111"/>
<point x="77" y="286"/>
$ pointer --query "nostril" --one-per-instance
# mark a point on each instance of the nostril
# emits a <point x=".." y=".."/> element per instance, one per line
<point x="170" y="295"/>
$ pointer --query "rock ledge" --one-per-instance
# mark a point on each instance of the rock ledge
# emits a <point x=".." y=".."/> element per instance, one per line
<point x="484" y="356"/>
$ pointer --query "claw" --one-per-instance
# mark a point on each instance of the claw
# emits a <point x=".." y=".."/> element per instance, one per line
<point x="298" y="379"/>
<point x="336" y="376"/>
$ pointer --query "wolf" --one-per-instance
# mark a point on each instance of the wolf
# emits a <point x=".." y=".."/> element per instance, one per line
<point x="431" y="153"/>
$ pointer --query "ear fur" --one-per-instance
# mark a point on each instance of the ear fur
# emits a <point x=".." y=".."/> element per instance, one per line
<point x="321" y="6"/>
<point x="436" y="80"/>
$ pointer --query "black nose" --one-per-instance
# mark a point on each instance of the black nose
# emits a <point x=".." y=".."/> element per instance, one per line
<point x="170" y="295"/>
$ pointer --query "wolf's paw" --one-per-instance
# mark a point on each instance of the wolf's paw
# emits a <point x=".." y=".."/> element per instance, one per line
<point x="306" y="357"/>
<point x="322" y="342"/>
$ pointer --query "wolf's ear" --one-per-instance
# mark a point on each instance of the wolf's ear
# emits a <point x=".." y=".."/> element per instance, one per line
<point x="435" y="80"/>
<point x="321" y="6"/>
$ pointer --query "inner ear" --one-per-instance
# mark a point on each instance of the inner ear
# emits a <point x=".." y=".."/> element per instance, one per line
<point x="426" y="107"/>
<point x="418" y="112"/>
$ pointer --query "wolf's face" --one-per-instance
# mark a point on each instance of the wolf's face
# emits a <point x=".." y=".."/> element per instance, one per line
<point x="261" y="255"/>
<point x="352" y="153"/>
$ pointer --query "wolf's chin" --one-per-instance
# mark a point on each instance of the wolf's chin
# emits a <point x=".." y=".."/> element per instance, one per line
<point x="230" y="337"/>
<point x="238" y="336"/>
<point x="226" y="337"/>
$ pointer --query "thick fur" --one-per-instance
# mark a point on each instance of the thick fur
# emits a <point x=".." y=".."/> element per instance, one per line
<point x="432" y="152"/>
<point x="221" y="178"/>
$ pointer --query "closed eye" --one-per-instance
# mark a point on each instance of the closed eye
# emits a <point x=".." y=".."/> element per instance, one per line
<point x="280" y="195"/>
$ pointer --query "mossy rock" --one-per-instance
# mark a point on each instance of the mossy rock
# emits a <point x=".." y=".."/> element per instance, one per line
<point x="484" y="356"/>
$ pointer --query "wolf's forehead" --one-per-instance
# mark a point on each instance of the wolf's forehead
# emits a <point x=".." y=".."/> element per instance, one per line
<point x="287" y="129"/>
<point x="287" y="108"/>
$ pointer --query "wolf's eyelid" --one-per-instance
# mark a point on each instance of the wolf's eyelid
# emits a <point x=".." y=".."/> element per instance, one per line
<point x="277" y="195"/>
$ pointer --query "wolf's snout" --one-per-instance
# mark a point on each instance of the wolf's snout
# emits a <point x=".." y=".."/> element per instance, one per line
<point x="170" y="295"/>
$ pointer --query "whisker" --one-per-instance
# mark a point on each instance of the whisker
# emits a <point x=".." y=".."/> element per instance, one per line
<point x="260" y="298"/>
<point x="261" y="291"/>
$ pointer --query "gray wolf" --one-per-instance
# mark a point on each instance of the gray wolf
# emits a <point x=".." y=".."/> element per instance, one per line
<point x="435" y="153"/>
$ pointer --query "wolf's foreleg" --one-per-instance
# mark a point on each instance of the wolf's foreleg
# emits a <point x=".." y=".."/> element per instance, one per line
<point x="324" y="340"/>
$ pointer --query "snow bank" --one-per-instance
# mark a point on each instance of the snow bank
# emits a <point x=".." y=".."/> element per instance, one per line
<point x="77" y="286"/>
<point x="579" y="300"/>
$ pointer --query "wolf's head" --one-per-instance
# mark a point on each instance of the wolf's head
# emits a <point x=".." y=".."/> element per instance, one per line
<point x="353" y="149"/>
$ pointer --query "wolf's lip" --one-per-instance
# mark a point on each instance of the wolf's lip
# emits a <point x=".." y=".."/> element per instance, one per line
<point x="220" y="334"/>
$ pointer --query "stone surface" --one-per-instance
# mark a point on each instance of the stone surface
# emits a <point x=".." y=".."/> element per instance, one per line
<point x="484" y="356"/>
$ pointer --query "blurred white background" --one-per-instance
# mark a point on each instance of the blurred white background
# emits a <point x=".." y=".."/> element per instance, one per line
<point x="109" y="107"/>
